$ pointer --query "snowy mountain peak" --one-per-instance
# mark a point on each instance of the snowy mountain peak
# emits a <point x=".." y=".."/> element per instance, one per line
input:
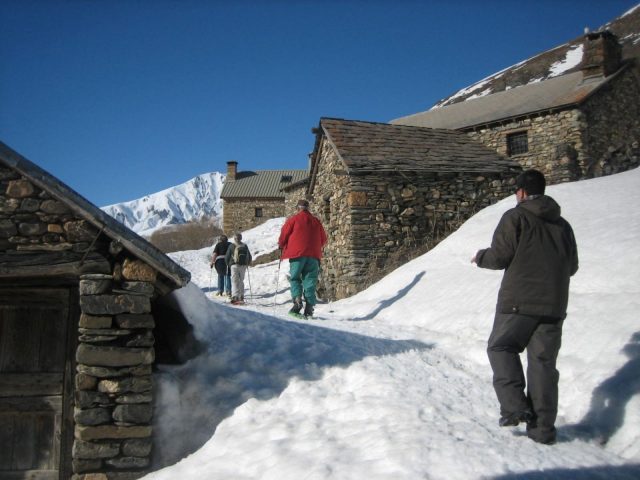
<point x="192" y="200"/>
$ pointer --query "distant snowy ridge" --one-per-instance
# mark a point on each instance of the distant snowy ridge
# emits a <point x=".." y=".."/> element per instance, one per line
<point x="192" y="200"/>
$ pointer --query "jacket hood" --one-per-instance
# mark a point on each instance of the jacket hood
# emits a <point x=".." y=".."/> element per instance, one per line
<point x="543" y="206"/>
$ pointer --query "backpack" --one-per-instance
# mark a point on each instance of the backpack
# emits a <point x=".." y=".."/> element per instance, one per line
<point x="241" y="254"/>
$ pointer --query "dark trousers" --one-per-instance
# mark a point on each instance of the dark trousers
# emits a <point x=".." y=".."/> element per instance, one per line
<point x="541" y="336"/>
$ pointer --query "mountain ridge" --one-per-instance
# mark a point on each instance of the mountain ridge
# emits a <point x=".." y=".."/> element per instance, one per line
<point x="190" y="201"/>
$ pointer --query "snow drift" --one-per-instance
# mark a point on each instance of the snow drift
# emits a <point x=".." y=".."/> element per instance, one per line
<point x="394" y="382"/>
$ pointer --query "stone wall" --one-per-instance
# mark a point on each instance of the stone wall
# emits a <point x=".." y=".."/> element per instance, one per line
<point x="556" y="143"/>
<point x="113" y="397"/>
<point x="113" y="384"/>
<point x="596" y="138"/>
<point x="32" y="221"/>
<point x="370" y="218"/>
<point x="240" y="215"/>
<point x="291" y="199"/>
<point x="613" y="117"/>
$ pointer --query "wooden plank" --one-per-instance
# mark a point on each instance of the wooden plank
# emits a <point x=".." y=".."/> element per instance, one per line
<point x="67" y="423"/>
<point x="30" y="475"/>
<point x="51" y="264"/>
<point x="43" y="447"/>
<point x="31" y="404"/>
<point x="6" y="440"/>
<point x="24" y="437"/>
<point x="53" y="339"/>
<point x="30" y="384"/>
<point x="32" y="296"/>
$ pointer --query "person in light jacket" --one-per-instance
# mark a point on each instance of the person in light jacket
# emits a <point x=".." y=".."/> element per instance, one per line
<point x="301" y="240"/>
<point x="537" y="249"/>
<point x="238" y="257"/>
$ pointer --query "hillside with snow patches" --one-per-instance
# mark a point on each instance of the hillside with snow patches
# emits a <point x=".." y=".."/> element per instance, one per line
<point x="394" y="383"/>
<point x="552" y="63"/>
<point x="190" y="201"/>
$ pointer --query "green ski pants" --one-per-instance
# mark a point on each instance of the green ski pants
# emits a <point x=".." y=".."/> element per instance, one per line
<point x="303" y="272"/>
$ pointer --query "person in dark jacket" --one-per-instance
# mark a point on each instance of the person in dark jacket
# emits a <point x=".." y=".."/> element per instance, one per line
<point x="536" y="248"/>
<point x="301" y="240"/>
<point x="222" y="269"/>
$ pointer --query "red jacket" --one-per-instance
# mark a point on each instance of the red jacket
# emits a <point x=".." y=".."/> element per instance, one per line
<point x="302" y="235"/>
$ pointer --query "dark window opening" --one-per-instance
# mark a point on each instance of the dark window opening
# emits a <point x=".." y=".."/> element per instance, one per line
<point x="286" y="178"/>
<point x="258" y="212"/>
<point x="517" y="143"/>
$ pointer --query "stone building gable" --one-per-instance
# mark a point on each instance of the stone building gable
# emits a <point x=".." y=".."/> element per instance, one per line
<point x="251" y="198"/>
<point x="58" y="250"/>
<point x="375" y="215"/>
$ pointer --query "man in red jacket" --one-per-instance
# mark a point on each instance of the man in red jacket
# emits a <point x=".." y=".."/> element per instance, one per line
<point x="301" y="240"/>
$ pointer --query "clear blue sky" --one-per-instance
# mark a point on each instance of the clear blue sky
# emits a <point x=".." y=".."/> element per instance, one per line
<point x="164" y="90"/>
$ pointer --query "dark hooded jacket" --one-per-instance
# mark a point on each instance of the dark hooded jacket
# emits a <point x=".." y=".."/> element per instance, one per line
<point x="537" y="249"/>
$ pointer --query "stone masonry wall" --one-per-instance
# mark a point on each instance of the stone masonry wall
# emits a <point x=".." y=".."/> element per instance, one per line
<point x="32" y="221"/>
<point x="291" y="199"/>
<point x="556" y="143"/>
<point x="613" y="117"/>
<point x="370" y="217"/>
<point x="240" y="215"/>
<point x="598" y="138"/>
<point x="113" y="397"/>
<point x="113" y="384"/>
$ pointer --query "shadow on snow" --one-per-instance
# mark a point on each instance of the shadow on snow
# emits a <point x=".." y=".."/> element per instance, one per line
<point x="608" y="401"/>
<point x="619" y="472"/>
<point x="390" y="301"/>
<point x="249" y="355"/>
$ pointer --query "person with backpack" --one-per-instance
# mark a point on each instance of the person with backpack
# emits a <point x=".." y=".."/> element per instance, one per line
<point x="222" y="268"/>
<point x="238" y="257"/>
<point x="301" y="240"/>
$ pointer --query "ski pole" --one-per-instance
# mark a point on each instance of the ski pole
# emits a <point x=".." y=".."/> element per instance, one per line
<point x="210" y="278"/>
<point x="275" y="296"/>
<point x="249" y="278"/>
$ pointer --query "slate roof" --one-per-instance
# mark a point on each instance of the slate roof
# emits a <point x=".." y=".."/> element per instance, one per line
<point x="86" y="210"/>
<point x="261" y="183"/>
<point x="553" y="94"/>
<point x="366" y="146"/>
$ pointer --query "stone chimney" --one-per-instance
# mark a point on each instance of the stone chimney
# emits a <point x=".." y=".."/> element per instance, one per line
<point x="232" y="170"/>
<point x="602" y="54"/>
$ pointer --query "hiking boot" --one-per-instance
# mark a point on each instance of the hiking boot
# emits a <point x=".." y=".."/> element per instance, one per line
<point x="308" y="311"/>
<point x="514" y="419"/>
<point x="297" y="306"/>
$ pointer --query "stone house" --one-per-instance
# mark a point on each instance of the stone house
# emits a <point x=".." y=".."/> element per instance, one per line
<point x="251" y="198"/>
<point x="78" y="332"/>
<point x="581" y="124"/>
<point x="380" y="189"/>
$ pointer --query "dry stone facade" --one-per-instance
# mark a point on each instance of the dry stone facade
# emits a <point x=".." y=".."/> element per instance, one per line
<point x="240" y="214"/>
<point x="593" y="139"/>
<point x="113" y="398"/>
<point x="113" y="338"/>
<point x="369" y="218"/>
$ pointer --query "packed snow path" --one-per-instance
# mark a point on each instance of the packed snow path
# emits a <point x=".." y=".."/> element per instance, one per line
<point x="394" y="383"/>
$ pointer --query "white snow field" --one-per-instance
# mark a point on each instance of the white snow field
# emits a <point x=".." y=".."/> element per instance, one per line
<point x="394" y="382"/>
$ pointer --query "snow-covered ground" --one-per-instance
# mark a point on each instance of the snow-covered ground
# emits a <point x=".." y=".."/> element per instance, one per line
<point x="394" y="382"/>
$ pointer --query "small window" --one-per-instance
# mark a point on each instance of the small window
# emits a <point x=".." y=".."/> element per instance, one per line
<point x="258" y="212"/>
<point x="517" y="143"/>
<point x="286" y="178"/>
